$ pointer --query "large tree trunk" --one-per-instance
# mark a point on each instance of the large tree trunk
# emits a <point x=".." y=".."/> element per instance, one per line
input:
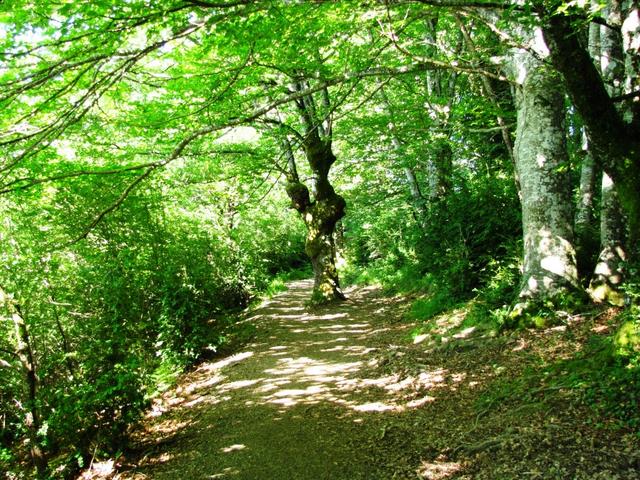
<point x="609" y="271"/>
<point x="321" y="218"/>
<point x="541" y="160"/>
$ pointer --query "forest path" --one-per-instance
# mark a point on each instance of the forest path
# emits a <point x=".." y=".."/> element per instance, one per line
<point x="297" y="404"/>
<point x="344" y="393"/>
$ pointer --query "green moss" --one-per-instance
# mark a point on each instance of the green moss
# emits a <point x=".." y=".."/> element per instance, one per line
<point x="627" y="339"/>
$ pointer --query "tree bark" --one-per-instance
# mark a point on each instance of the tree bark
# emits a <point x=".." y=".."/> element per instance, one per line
<point x="440" y="168"/>
<point x="541" y="160"/>
<point x="614" y="141"/>
<point x="609" y="271"/>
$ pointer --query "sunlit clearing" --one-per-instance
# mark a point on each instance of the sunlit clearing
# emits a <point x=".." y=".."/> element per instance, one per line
<point x="195" y="402"/>
<point x="418" y="402"/>
<point x="356" y="349"/>
<point x="352" y="325"/>
<point x="310" y="367"/>
<point x="331" y="316"/>
<point x="162" y="458"/>
<point x="100" y="470"/>
<point x="268" y="387"/>
<point x="234" y="448"/>
<point x="205" y="383"/>
<point x="420" y="338"/>
<point x="299" y="392"/>
<point x="465" y="333"/>
<point x="285" y="402"/>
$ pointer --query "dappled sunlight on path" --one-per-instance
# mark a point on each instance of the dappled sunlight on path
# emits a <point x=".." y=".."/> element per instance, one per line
<point x="302" y="401"/>
<point x="345" y="392"/>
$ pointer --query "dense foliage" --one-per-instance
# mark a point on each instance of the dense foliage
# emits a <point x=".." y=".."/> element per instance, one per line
<point x="163" y="161"/>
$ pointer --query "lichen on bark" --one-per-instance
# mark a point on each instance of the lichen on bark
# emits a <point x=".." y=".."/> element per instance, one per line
<point x="542" y="165"/>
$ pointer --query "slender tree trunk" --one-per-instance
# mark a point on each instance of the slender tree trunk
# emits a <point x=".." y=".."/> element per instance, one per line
<point x="24" y="353"/>
<point x="609" y="272"/>
<point x="586" y="234"/>
<point x="541" y="160"/>
<point x="412" y="182"/>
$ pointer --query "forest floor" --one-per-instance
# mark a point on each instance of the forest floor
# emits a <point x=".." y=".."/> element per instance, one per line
<point x="346" y="392"/>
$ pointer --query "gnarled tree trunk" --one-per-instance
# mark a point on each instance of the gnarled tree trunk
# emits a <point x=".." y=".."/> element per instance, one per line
<point x="322" y="208"/>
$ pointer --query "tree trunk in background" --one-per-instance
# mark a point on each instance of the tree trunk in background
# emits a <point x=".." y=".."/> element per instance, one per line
<point x="586" y="230"/>
<point x="609" y="272"/>
<point x="440" y="168"/>
<point x="414" y="188"/>
<point x="613" y="136"/>
<point x="586" y="234"/>
<point x="541" y="159"/>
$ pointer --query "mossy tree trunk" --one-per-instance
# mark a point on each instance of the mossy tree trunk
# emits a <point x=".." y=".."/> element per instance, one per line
<point x="541" y="161"/>
<point x="609" y="271"/>
<point x="321" y="207"/>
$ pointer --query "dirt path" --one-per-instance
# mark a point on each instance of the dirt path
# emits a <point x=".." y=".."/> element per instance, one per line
<point x="295" y="405"/>
<point x="342" y="393"/>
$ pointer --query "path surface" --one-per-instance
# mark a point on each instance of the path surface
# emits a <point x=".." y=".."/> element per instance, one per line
<point x="295" y="405"/>
<point x="342" y="393"/>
